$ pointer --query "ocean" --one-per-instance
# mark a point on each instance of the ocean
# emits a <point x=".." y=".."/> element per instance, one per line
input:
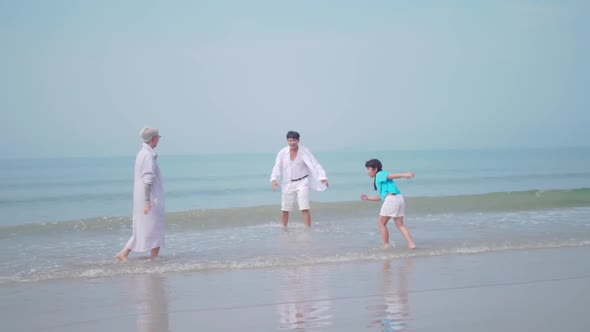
<point x="66" y="218"/>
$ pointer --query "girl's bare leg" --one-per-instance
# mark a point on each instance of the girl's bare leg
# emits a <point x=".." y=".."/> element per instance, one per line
<point x="383" y="229"/>
<point x="399" y="223"/>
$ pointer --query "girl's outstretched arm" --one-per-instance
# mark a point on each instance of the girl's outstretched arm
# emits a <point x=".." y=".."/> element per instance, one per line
<point x="408" y="175"/>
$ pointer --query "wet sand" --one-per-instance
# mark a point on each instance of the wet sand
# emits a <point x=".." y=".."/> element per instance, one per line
<point x="534" y="290"/>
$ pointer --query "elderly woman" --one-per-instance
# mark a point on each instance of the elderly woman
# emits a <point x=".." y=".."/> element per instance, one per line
<point x="148" y="200"/>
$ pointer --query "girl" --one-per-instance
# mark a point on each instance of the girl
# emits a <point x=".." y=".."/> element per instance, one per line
<point x="393" y="201"/>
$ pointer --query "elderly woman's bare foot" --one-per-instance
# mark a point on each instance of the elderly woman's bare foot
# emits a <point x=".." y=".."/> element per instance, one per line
<point x="121" y="257"/>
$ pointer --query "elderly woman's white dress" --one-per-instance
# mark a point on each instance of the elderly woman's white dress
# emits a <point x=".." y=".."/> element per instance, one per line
<point x="148" y="229"/>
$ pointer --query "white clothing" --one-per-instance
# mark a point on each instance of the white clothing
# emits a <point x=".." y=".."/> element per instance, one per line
<point x="298" y="168"/>
<point x="393" y="206"/>
<point x="296" y="188"/>
<point x="148" y="229"/>
<point x="282" y="169"/>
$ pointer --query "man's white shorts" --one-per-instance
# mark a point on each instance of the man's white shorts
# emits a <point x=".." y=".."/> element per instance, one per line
<point x="299" y="189"/>
<point x="393" y="206"/>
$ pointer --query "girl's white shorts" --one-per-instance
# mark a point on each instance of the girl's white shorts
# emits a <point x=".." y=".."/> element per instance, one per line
<point x="393" y="206"/>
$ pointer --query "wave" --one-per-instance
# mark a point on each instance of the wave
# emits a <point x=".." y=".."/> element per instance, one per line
<point x="532" y="200"/>
<point x="529" y="200"/>
<point x="82" y="183"/>
<point x="104" y="268"/>
<point x="127" y="194"/>
<point x="73" y="198"/>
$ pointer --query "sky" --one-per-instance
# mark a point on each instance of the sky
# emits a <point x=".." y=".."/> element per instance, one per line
<point x="80" y="78"/>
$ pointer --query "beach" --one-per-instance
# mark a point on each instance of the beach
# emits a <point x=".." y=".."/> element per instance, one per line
<point x="499" y="247"/>
<point x="183" y="129"/>
<point x="531" y="290"/>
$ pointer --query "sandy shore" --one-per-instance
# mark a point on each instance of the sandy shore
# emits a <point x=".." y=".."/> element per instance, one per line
<point x="536" y="290"/>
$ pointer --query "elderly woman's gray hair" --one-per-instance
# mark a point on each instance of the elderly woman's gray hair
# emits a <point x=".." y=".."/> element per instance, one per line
<point x="147" y="133"/>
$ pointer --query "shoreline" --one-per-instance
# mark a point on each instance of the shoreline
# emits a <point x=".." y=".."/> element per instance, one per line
<point x="138" y="265"/>
<point x="507" y="290"/>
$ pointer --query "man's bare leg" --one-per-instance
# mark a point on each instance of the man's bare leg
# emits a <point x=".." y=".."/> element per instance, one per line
<point x="285" y="218"/>
<point x="306" y="217"/>
<point x="122" y="255"/>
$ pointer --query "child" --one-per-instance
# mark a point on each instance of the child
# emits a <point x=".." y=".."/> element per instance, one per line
<point x="393" y="201"/>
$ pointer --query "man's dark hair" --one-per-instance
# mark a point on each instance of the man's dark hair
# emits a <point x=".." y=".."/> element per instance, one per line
<point x="374" y="163"/>
<point x="293" y="134"/>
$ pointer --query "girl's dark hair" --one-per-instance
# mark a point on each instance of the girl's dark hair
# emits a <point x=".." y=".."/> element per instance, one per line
<point x="374" y="163"/>
<point x="293" y="134"/>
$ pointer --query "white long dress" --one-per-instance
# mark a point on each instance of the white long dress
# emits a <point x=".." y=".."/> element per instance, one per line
<point x="148" y="229"/>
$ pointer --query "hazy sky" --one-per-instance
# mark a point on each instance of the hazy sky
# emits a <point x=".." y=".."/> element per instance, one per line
<point x="82" y="77"/>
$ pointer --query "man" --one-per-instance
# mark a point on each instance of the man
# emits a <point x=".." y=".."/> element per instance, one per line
<point x="148" y="200"/>
<point x="298" y="171"/>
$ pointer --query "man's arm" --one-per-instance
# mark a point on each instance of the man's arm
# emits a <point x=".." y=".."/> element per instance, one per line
<point x="321" y="172"/>
<point x="318" y="167"/>
<point x="276" y="171"/>
<point x="408" y="175"/>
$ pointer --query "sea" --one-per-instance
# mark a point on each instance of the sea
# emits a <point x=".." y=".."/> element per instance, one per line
<point x="67" y="217"/>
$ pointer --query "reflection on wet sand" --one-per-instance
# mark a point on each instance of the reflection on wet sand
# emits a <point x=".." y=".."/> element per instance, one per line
<point x="297" y="310"/>
<point x="300" y="287"/>
<point x="393" y="314"/>
<point x="151" y="299"/>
